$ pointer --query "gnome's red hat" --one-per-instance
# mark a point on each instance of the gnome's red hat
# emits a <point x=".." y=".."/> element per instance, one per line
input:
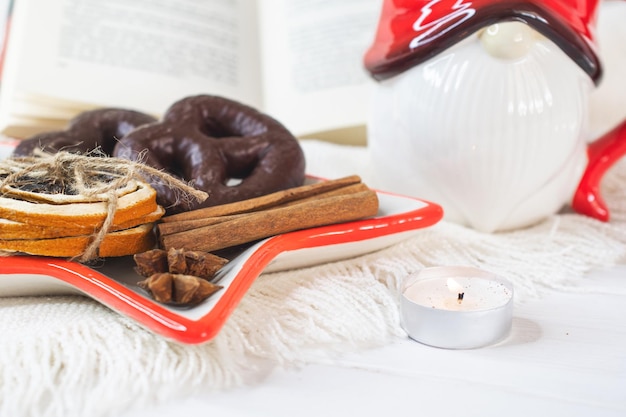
<point x="412" y="31"/>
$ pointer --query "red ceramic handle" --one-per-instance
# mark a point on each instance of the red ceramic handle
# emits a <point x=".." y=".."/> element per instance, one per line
<point x="603" y="153"/>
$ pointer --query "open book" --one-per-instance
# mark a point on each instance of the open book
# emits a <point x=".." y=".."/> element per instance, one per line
<point x="299" y="61"/>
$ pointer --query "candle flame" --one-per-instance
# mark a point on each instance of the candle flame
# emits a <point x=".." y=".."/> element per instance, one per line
<point x="454" y="286"/>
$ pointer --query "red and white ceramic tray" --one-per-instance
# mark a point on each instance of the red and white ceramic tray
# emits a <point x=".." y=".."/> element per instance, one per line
<point x="114" y="281"/>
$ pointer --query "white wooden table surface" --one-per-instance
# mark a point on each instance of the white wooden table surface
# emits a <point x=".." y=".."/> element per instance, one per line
<point x="565" y="356"/>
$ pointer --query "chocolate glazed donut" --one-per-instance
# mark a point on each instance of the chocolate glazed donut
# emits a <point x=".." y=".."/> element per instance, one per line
<point x="89" y="130"/>
<point x="209" y="141"/>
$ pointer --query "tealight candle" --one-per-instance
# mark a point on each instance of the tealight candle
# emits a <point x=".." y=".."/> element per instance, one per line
<point x="457" y="307"/>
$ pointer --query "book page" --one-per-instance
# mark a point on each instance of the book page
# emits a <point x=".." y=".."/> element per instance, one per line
<point x="140" y="54"/>
<point x="312" y="57"/>
<point x="6" y="7"/>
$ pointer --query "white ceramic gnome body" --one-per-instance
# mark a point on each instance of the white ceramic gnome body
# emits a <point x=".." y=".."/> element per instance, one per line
<point x="493" y="129"/>
<point x="493" y="124"/>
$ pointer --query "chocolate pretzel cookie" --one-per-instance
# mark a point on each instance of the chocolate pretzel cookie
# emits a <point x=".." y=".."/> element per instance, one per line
<point x="223" y="147"/>
<point x="90" y="130"/>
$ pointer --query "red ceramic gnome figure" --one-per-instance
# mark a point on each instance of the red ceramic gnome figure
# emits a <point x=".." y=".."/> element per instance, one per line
<point x="483" y="105"/>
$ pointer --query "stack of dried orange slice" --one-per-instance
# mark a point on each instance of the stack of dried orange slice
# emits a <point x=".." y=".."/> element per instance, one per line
<point x="45" y="217"/>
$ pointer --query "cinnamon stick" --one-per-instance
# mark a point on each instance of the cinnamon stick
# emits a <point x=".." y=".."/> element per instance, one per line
<point x="268" y="200"/>
<point x="183" y="225"/>
<point x="273" y="221"/>
<point x="180" y="226"/>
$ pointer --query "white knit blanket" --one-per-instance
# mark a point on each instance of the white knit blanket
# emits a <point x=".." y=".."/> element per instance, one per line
<point x="69" y="355"/>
